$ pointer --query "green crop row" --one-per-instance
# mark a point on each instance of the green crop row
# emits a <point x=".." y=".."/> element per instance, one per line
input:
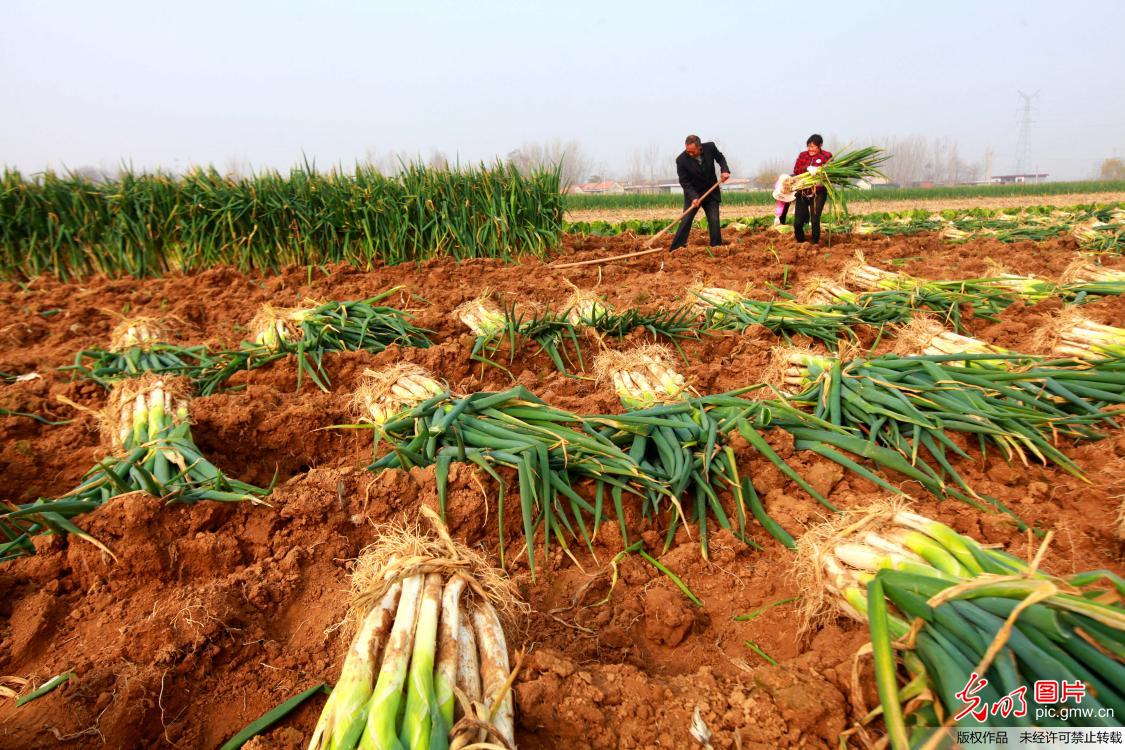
<point x="148" y="224"/>
<point x="765" y="197"/>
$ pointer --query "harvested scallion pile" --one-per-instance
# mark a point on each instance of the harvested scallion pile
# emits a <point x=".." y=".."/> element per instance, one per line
<point x="550" y="450"/>
<point x="949" y="617"/>
<point x="147" y="423"/>
<point x="428" y="665"/>
<point x="308" y="333"/>
<point x="900" y="411"/>
<point x="137" y="345"/>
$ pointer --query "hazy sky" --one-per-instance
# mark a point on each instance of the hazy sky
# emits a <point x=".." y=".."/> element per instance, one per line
<point x="265" y="81"/>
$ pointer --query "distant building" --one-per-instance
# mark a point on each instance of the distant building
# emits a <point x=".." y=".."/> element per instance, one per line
<point x="1008" y="179"/>
<point x="608" y="187"/>
<point x="733" y="185"/>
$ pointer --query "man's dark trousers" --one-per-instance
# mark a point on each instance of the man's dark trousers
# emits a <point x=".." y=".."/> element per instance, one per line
<point x="804" y="209"/>
<point x="711" y="210"/>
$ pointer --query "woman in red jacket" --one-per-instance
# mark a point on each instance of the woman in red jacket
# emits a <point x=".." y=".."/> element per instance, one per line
<point x="809" y="203"/>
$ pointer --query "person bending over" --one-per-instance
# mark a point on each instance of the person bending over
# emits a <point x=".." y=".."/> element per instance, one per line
<point x="696" y="169"/>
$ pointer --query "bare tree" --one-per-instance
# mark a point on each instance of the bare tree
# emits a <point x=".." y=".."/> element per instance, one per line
<point x="915" y="159"/>
<point x="646" y="164"/>
<point x="1112" y="169"/>
<point x="389" y="163"/>
<point x="574" y="163"/>
<point x="438" y="160"/>
<point x="768" y="171"/>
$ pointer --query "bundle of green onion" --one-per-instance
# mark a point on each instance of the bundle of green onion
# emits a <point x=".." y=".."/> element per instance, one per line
<point x="725" y="309"/>
<point x="673" y="438"/>
<point x="685" y="443"/>
<point x="1026" y="288"/>
<point x="642" y="377"/>
<point x="966" y="621"/>
<point x="902" y="409"/>
<point x="385" y="394"/>
<point x="864" y="276"/>
<point x="886" y="306"/>
<point x="821" y="291"/>
<point x="310" y="332"/>
<point x="482" y="317"/>
<point x="551" y="451"/>
<point x="1082" y="338"/>
<point x="137" y="345"/>
<point x="929" y="338"/>
<point x="566" y="464"/>
<point x="1084" y="279"/>
<point x="843" y="171"/>
<point x="147" y="423"/>
<point x="713" y="301"/>
<point x="428" y="666"/>
<point x="1098" y="235"/>
<point x="516" y="325"/>
<point x="671" y="325"/>
<point x="1085" y="272"/>
<point x="988" y="297"/>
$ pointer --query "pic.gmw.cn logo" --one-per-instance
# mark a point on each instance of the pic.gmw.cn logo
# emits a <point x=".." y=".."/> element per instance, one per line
<point x="1055" y="699"/>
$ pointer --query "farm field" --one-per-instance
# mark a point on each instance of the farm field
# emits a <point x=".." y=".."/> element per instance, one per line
<point x="214" y="613"/>
<point x="1027" y="193"/>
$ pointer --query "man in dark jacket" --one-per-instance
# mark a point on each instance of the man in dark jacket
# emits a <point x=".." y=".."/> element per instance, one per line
<point x="696" y="169"/>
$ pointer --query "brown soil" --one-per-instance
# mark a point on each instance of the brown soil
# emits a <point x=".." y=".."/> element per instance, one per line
<point x="214" y="614"/>
<point x="859" y="207"/>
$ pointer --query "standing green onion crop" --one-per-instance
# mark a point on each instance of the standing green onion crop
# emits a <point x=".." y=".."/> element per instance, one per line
<point x="950" y="619"/>
<point x="426" y="613"/>
<point x="147" y="423"/>
<point x="151" y="224"/>
<point x="308" y="333"/>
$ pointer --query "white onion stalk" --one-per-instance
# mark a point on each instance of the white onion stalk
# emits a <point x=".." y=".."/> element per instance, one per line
<point x="1027" y="287"/>
<point x="494" y="669"/>
<point x="830" y="293"/>
<point x="799" y="372"/>
<point x="468" y="660"/>
<point x="379" y="732"/>
<point x="1085" y="339"/>
<point x="274" y="327"/>
<point x="644" y="380"/>
<point x="712" y="298"/>
<point x="345" y="714"/>
<point x="481" y="317"/>
<point x="384" y="395"/>
<point x="872" y="278"/>
<point x="445" y="673"/>
<point x="948" y="342"/>
<point x="416" y="722"/>
<point x="1088" y="273"/>
<point x="586" y="309"/>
